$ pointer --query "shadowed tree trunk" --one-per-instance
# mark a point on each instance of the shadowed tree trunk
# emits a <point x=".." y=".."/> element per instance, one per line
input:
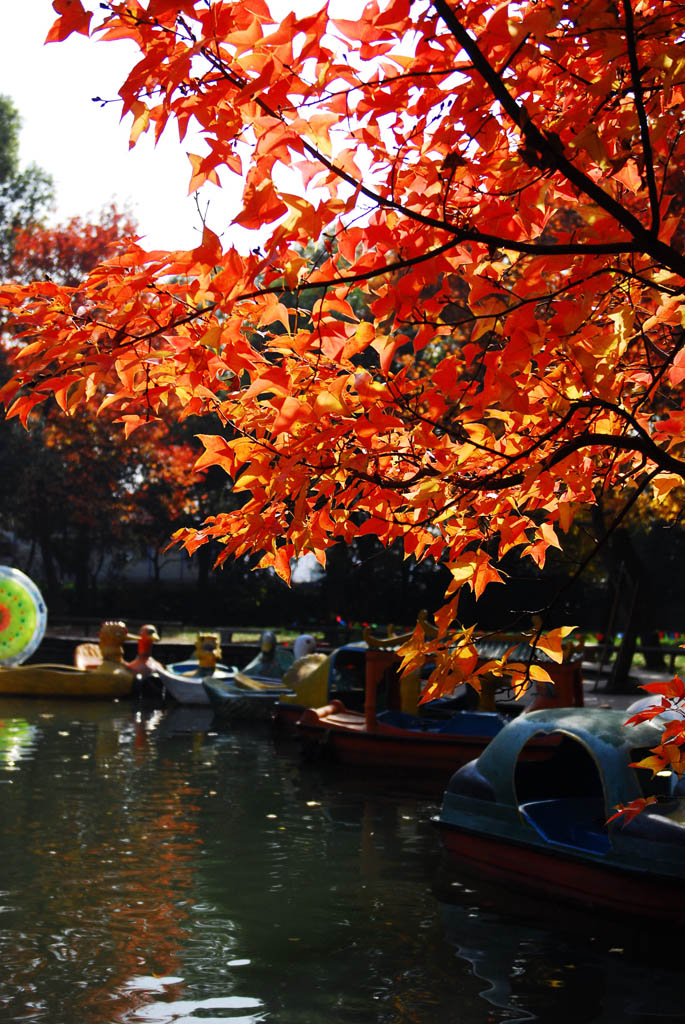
<point x="631" y="577"/>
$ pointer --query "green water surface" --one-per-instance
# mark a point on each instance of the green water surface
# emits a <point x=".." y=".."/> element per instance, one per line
<point x="156" y="869"/>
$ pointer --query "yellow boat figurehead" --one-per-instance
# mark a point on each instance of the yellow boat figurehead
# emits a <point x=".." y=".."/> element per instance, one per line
<point x="208" y="650"/>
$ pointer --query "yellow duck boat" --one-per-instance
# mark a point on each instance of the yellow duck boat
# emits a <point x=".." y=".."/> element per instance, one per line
<point x="87" y="679"/>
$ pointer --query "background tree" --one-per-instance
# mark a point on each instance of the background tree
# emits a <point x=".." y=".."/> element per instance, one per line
<point x="504" y="186"/>
<point x="86" y="500"/>
<point x="25" y="196"/>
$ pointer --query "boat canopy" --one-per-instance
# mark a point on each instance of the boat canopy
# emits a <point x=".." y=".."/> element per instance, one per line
<point x="604" y="735"/>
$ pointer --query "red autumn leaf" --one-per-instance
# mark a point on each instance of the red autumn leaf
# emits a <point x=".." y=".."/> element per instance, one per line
<point x="73" y="18"/>
<point x="626" y="812"/>
<point x="629" y="176"/>
<point x="673" y="688"/>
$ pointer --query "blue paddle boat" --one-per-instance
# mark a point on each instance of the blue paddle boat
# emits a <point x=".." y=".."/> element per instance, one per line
<point x="544" y="823"/>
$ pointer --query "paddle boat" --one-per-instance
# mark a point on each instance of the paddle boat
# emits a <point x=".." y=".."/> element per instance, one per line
<point x="318" y="679"/>
<point x="314" y="679"/>
<point x="183" y="680"/>
<point x="253" y="692"/>
<point x="269" y="664"/>
<point x="106" y="679"/>
<point x="144" y="663"/>
<point x="428" y="739"/>
<point x="545" y="825"/>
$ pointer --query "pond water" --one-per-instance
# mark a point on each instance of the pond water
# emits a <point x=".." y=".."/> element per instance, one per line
<point x="154" y="868"/>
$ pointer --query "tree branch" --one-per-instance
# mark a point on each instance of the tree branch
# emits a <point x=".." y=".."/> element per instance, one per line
<point x="642" y="115"/>
<point x="462" y="234"/>
<point x="541" y="143"/>
<point x="494" y="482"/>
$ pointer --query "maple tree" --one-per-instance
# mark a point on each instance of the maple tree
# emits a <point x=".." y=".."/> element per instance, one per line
<point x="501" y="183"/>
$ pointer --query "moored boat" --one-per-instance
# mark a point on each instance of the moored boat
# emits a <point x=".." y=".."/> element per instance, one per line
<point x="315" y="679"/>
<point x="253" y="692"/>
<point x="267" y="668"/>
<point x="405" y="734"/>
<point x="546" y="825"/>
<point x="397" y="739"/>
<point x="108" y="679"/>
<point x="319" y="680"/>
<point x="234" y="702"/>
<point x="183" y="680"/>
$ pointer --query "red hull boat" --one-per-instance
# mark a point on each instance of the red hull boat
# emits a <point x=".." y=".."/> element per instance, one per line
<point x="403" y="739"/>
<point x="546" y="827"/>
<point x="560" y="876"/>
<point x="419" y="744"/>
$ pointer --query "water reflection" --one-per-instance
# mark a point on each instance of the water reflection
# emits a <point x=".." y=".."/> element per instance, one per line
<point x="184" y="1011"/>
<point x="157" y="869"/>
<point x="16" y="741"/>
<point x="525" y="950"/>
<point x="102" y="868"/>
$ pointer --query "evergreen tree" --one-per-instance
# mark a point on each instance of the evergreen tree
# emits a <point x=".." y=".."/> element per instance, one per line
<point x="25" y="195"/>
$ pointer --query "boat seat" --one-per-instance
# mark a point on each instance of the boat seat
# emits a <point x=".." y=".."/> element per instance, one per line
<point x="473" y="723"/>
<point x="463" y="723"/>
<point x="87" y="656"/>
<point x="578" y="822"/>
<point x="405" y="720"/>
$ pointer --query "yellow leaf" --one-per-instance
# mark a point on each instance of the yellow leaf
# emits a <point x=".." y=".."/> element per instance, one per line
<point x="212" y="337"/>
<point x="539" y="674"/>
<point x="550" y="643"/>
<point x="653" y="764"/>
<point x="246" y="480"/>
<point x="326" y="403"/>
<point x="665" y="483"/>
<point x="141" y="121"/>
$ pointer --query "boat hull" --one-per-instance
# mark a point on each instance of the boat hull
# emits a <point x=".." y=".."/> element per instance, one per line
<point x="64" y="681"/>
<point x="555" y="872"/>
<point x="233" y="703"/>
<point x="417" y="752"/>
<point x="430" y="748"/>
<point x="183" y="681"/>
<point x="551" y="827"/>
<point x="186" y="691"/>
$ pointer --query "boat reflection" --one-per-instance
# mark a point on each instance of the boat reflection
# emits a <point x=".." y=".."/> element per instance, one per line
<point x="606" y="969"/>
<point x="180" y="721"/>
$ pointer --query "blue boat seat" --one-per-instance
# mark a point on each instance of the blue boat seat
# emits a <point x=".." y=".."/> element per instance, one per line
<point x="578" y="822"/>
<point x="474" y="723"/>
<point x="463" y="723"/>
<point x="403" y="720"/>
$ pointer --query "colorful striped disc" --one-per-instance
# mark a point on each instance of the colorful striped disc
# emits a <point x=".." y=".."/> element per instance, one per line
<point x="23" y="616"/>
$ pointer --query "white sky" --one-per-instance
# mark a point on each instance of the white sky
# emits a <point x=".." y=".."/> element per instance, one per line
<point x="84" y="146"/>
